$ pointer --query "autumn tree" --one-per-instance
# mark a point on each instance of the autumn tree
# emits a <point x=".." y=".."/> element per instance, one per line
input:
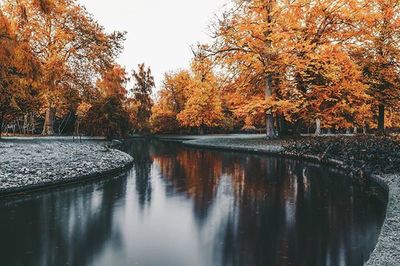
<point x="176" y="90"/>
<point x="70" y="45"/>
<point x="378" y="53"/>
<point x="245" y="45"/>
<point x="18" y="71"/>
<point x="107" y="116"/>
<point x="291" y="60"/>
<point x="327" y="82"/>
<point x="142" y="89"/>
<point x="189" y="99"/>
<point x="203" y="108"/>
<point x="113" y="82"/>
<point x="81" y="115"/>
<point x="171" y="101"/>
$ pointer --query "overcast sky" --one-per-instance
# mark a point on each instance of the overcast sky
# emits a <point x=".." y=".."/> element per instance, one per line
<point x="160" y="32"/>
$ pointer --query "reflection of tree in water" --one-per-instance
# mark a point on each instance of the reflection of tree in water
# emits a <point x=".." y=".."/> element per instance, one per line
<point x="141" y="152"/>
<point x="285" y="213"/>
<point x="70" y="227"/>
<point x="279" y="212"/>
<point x="306" y="217"/>
<point x="193" y="173"/>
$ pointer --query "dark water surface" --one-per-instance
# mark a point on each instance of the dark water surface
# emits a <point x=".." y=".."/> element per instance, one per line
<point x="189" y="207"/>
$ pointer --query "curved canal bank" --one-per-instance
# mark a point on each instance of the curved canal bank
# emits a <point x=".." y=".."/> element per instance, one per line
<point x="190" y="206"/>
<point x="56" y="163"/>
<point x="387" y="251"/>
<point x="34" y="165"/>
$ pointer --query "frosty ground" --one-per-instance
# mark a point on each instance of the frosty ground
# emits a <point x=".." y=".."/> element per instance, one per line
<point x="32" y="164"/>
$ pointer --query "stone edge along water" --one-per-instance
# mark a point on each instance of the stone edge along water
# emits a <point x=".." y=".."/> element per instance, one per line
<point x="34" y="166"/>
<point x="387" y="250"/>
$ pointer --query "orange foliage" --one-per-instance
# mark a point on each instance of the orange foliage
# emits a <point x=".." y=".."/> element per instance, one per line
<point x="302" y="47"/>
<point x="189" y="100"/>
<point x="272" y="63"/>
<point x="378" y="53"/>
<point x="107" y="116"/>
<point x="71" y="46"/>
<point x="19" y="70"/>
<point x="113" y="82"/>
<point x="142" y="102"/>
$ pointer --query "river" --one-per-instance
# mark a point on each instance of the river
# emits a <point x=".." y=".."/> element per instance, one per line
<point x="189" y="207"/>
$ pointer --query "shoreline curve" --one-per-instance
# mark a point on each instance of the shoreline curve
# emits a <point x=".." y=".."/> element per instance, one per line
<point x="27" y="167"/>
<point x="387" y="250"/>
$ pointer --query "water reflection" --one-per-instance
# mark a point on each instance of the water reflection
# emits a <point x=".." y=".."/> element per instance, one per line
<point x="181" y="206"/>
<point x="66" y="227"/>
<point x="142" y="165"/>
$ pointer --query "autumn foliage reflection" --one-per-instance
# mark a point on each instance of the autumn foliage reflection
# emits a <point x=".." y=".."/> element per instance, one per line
<point x="280" y="211"/>
<point x="201" y="207"/>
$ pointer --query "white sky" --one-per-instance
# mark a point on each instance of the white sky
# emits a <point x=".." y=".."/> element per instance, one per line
<point x="160" y="32"/>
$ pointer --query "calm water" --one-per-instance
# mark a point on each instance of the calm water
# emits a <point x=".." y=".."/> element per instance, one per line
<point x="181" y="206"/>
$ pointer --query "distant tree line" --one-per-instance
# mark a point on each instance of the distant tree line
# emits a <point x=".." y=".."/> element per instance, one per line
<point x="291" y="66"/>
<point x="282" y="67"/>
<point x="58" y="73"/>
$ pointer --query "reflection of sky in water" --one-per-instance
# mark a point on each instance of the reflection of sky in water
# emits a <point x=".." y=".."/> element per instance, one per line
<point x="188" y="207"/>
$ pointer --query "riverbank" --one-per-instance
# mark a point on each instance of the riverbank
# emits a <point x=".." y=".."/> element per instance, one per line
<point x="34" y="164"/>
<point x="367" y="156"/>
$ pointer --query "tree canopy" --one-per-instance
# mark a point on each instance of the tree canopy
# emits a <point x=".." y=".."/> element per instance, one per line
<point x="285" y="66"/>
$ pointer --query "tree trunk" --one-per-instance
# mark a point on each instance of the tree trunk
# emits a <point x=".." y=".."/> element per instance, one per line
<point x="18" y="125"/>
<point x="76" y="131"/>
<point x="64" y="124"/>
<point x="348" y="131"/>
<point x="318" y="127"/>
<point x="283" y="126"/>
<point x="278" y="125"/>
<point x="355" y="131"/>
<point x="270" y="122"/>
<point x="1" y="124"/>
<point x="201" y="130"/>
<point x="381" y="118"/>
<point x="48" y="127"/>
<point x="32" y="123"/>
<point x="270" y="128"/>
<point x="26" y="124"/>
<point x="365" y="129"/>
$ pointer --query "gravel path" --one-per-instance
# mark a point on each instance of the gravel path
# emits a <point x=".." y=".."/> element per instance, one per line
<point x="25" y="165"/>
<point x="387" y="252"/>
<point x="242" y="144"/>
<point x="365" y="152"/>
